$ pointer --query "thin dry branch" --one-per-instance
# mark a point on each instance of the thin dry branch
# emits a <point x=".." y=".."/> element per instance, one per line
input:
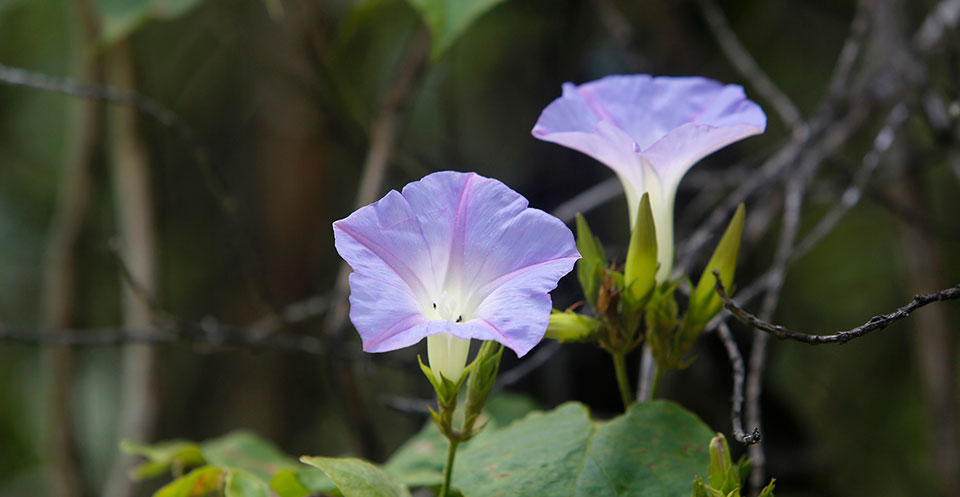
<point x="207" y="335"/>
<point x="736" y="401"/>
<point x="875" y="323"/>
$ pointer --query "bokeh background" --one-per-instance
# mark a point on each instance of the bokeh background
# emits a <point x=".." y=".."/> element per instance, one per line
<point x="112" y="218"/>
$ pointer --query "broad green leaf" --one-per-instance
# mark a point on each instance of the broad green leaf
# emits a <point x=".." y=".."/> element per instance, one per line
<point x="358" y="478"/>
<point x="419" y="461"/>
<point x="201" y="482"/>
<point x="120" y="18"/>
<point x="301" y="482"/>
<point x="591" y="263"/>
<point x="448" y="19"/>
<point x="704" y="301"/>
<point x="8" y="4"/>
<point x="246" y="451"/>
<point x="641" y="267"/>
<point x="244" y="484"/>
<point x="655" y="449"/>
<point x="286" y="483"/>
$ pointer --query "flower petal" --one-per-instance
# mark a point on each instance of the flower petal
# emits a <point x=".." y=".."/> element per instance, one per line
<point x="572" y="122"/>
<point x="653" y="117"/>
<point x="673" y="155"/>
<point x="517" y="310"/>
<point x="383" y="244"/>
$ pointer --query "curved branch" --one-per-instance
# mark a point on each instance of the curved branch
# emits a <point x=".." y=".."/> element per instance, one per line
<point x="875" y="323"/>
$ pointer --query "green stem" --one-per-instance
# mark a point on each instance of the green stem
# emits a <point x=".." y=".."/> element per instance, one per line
<point x="448" y="467"/>
<point x="657" y="376"/>
<point x="620" y="364"/>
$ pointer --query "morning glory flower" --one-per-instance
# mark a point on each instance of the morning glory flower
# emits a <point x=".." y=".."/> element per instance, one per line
<point x="650" y="131"/>
<point x="452" y="257"/>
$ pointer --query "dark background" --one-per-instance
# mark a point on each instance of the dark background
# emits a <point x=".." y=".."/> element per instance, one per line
<point x="284" y="99"/>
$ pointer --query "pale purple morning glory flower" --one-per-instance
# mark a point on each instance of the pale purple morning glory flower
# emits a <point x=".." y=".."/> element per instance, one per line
<point x="650" y="131"/>
<point x="453" y="256"/>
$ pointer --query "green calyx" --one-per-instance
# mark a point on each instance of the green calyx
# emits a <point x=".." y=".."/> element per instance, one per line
<point x="724" y="478"/>
<point x="592" y="261"/>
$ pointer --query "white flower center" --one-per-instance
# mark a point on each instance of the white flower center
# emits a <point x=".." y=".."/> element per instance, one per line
<point x="448" y="306"/>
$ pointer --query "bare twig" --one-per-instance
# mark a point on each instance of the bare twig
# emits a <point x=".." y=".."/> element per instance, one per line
<point x="849" y="199"/>
<point x="407" y="405"/>
<point x="208" y="334"/>
<point x="68" y="86"/>
<point x="793" y="202"/>
<point x="747" y="65"/>
<point x="852" y="45"/>
<point x="875" y="323"/>
<point x="736" y="401"/>
<point x="853" y="193"/>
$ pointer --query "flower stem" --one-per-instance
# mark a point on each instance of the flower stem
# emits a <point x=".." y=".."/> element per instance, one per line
<point x="657" y="376"/>
<point x="620" y="364"/>
<point x="448" y="467"/>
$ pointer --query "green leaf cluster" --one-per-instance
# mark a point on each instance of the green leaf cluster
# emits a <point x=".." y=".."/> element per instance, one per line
<point x="653" y="449"/>
<point x="239" y="464"/>
<point x="631" y="306"/>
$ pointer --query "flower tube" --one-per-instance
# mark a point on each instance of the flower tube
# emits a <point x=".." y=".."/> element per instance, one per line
<point x="650" y="131"/>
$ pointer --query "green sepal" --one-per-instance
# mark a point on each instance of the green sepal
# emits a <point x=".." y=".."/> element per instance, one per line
<point x="725" y="478"/>
<point x="479" y="385"/>
<point x="568" y="326"/>
<point x="701" y="489"/>
<point x="446" y="389"/>
<point x="641" y="267"/>
<point x="768" y="490"/>
<point x="704" y="301"/>
<point x="660" y="319"/>
<point x="592" y="261"/>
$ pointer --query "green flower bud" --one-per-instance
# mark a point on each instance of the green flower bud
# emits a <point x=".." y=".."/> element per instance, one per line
<point x="641" y="267"/>
<point x="568" y="326"/>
